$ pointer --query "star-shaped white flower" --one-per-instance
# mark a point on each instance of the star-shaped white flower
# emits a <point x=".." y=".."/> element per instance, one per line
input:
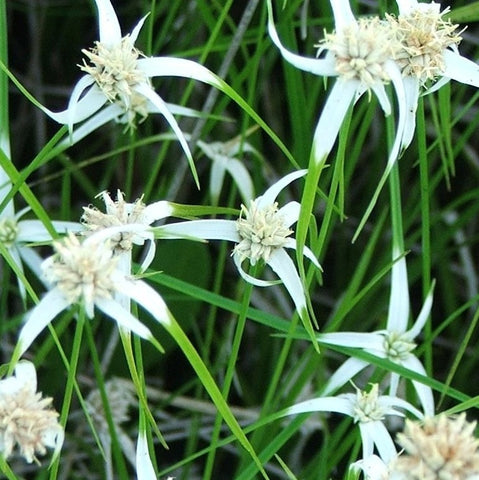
<point x="87" y="274"/>
<point x="262" y="233"/>
<point x="368" y="409"/>
<point x="360" y="54"/>
<point x="117" y="82"/>
<point x="429" y="53"/>
<point x="396" y="342"/>
<point x="27" y="420"/>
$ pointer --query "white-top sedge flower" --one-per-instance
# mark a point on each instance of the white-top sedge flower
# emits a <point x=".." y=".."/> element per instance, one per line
<point x="27" y="420"/>
<point x="262" y="233"/>
<point x="428" y="54"/>
<point x="117" y="84"/>
<point x="223" y="155"/>
<point x="118" y="213"/>
<point x="360" y="54"/>
<point x="396" y="342"/>
<point x="87" y="274"/>
<point x="368" y="410"/>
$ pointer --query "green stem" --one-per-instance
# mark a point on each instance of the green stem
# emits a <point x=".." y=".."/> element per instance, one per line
<point x="72" y="368"/>
<point x="175" y="330"/>
<point x="425" y="222"/>
<point x="230" y="370"/>
<point x="108" y="414"/>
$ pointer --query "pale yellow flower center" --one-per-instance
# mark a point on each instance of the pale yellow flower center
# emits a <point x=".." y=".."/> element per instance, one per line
<point x="361" y="50"/>
<point x="442" y="448"/>
<point x="82" y="272"/>
<point x="8" y="231"/>
<point x="367" y="408"/>
<point x="398" y="346"/>
<point x="424" y="35"/>
<point x="117" y="213"/>
<point x="262" y="230"/>
<point x="28" y="421"/>
<point x="115" y="71"/>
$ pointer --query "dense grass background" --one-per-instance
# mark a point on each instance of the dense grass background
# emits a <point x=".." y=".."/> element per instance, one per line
<point x="248" y="337"/>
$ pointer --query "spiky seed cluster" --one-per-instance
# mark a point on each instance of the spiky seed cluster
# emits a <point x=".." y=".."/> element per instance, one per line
<point x="262" y="230"/>
<point x="441" y="448"/>
<point x="361" y="50"/>
<point x="367" y="408"/>
<point x="82" y="272"/>
<point x="115" y="71"/>
<point x="120" y="394"/>
<point x="117" y="213"/>
<point x="398" y="346"/>
<point x="424" y="35"/>
<point x="8" y="231"/>
<point x="27" y="421"/>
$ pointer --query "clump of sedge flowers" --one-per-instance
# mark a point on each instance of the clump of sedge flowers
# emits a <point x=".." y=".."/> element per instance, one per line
<point x="440" y="448"/>
<point x="120" y="212"/>
<point x="428" y="56"/>
<point x="26" y="419"/>
<point x="424" y="35"/>
<point x="262" y="230"/>
<point x="115" y="71"/>
<point x="362" y="51"/>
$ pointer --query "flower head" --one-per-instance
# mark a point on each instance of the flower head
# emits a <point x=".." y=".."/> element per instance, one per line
<point x="396" y="342"/>
<point x="117" y="213"/>
<point x="121" y="396"/>
<point x="424" y="36"/>
<point x="368" y="410"/>
<point x="116" y="84"/>
<point x="362" y="51"/>
<point x="428" y="54"/>
<point x="224" y="157"/>
<point x="121" y="213"/>
<point x="262" y="230"/>
<point x="81" y="273"/>
<point x="367" y="407"/>
<point x="8" y="231"/>
<point x="261" y="233"/>
<point x="438" y="448"/>
<point x="115" y="71"/>
<point x="86" y="273"/>
<point x="26" y="419"/>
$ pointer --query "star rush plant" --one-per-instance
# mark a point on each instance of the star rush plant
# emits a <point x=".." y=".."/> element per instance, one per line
<point x="117" y="86"/>
<point x="360" y="53"/>
<point x="396" y="342"/>
<point x="369" y="410"/>
<point x="429" y="56"/>
<point x="87" y="274"/>
<point x="261" y="234"/>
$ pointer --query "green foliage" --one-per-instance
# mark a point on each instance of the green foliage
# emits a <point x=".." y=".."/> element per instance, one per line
<point x="235" y="356"/>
